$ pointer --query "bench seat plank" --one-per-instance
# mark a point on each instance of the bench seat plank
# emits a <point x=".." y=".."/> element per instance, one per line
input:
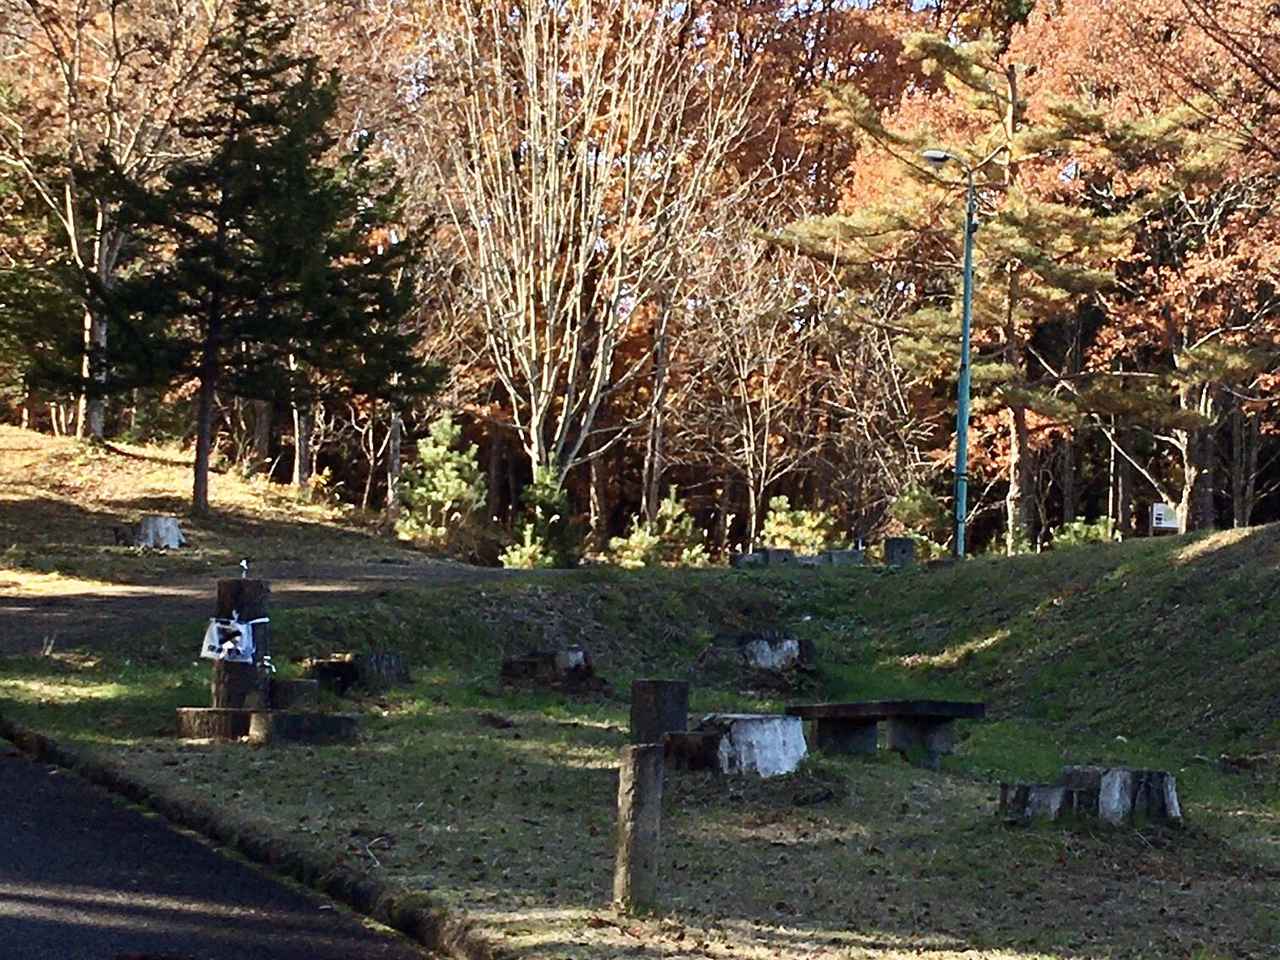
<point x="890" y="709"/>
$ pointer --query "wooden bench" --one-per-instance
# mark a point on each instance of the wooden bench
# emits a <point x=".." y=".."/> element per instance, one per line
<point x="914" y="725"/>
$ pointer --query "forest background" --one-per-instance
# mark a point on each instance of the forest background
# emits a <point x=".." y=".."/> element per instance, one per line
<point x="656" y="280"/>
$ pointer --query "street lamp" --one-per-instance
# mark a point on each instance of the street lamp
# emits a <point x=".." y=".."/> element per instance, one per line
<point x="938" y="159"/>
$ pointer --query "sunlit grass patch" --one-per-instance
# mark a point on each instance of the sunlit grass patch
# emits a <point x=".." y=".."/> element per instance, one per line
<point x="955" y="655"/>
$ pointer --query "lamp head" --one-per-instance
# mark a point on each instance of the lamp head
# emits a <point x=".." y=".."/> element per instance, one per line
<point x="936" y="158"/>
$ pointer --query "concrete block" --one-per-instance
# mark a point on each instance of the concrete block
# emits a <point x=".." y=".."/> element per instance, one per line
<point x="899" y="551"/>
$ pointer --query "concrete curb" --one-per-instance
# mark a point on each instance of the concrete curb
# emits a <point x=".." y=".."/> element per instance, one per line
<point x="414" y="914"/>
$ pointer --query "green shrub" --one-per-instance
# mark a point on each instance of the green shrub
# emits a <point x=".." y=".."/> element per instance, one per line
<point x="443" y="493"/>
<point x="549" y="536"/>
<point x="672" y="539"/>
<point x="921" y="513"/>
<point x="528" y="554"/>
<point x="804" y="531"/>
<point x="1080" y="532"/>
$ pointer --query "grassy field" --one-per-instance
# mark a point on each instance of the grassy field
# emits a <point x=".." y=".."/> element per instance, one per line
<point x="1157" y="653"/>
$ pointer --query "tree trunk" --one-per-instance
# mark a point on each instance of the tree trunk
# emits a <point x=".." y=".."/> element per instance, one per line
<point x="261" y="453"/>
<point x="1018" y="506"/>
<point x="1067" y="478"/>
<point x="598" y="503"/>
<point x="723" y="516"/>
<point x="1195" y="505"/>
<point x="1206" y="515"/>
<point x="204" y="433"/>
<point x="303" y="421"/>
<point x="93" y="368"/>
<point x="1245" y="441"/>
<point x="1124" y="494"/>
<point x="395" y="438"/>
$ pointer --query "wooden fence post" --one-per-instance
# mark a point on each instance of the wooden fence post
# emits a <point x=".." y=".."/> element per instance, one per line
<point x="658" y="707"/>
<point x="635" y="873"/>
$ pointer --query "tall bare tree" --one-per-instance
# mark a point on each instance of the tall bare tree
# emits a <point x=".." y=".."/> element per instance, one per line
<point x="94" y="77"/>
<point x="584" y="139"/>
<point x="753" y="387"/>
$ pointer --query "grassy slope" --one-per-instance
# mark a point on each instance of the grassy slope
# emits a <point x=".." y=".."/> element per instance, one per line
<point x="59" y="500"/>
<point x="1158" y="652"/>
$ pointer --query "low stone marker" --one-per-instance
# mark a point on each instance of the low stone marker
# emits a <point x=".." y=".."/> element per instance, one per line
<point x="844" y="557"/>
<point x="765" y="744"/>
<point x="765" y="557"/>
<point x="899" y="551"/>
<point x="658" y="707"/>
<point x="1115" y="795"/>
<point x="639" y="834"/>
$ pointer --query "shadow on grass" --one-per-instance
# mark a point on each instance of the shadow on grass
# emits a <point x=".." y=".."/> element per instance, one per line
<point x="146" y="457"/>
<point x="517" y="821"/>
<point x="45" y="534"/>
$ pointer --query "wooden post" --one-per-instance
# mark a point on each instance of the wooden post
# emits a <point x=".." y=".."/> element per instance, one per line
<point x="635" y="874"/>
<point x="243" y="685"/>
<point x="658" y="707"/>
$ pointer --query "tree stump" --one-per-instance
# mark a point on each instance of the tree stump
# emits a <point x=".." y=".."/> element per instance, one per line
<point x="160" y="532"/>
<point x="243" y="685"/>
<point x="336" y="673"/>
<point x="372" y="671"/>
<point x="658" y="707"/>
<point x="1115" y="795"/>
<point x="635" y="872"/>
<point x="765" y="744"/>
<point x="569" y="670"/>
<point x="691" y="750"/>
<point x="380" y="669"/>
<point x="212" y="723"/>
<point x="267" y="726"/>
<point x="294" y="694"/>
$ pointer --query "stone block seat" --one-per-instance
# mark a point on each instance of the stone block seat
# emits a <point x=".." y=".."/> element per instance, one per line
<point x="913" y="725"/>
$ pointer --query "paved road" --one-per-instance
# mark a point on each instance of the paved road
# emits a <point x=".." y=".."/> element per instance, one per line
<point x="83" y="877"/>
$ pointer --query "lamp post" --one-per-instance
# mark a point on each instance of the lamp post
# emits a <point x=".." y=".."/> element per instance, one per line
<point x="937" y="159"/>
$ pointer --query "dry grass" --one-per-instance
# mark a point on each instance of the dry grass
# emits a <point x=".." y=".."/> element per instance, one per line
<point x="1170" y="644"/>
<point x="60" y="500"/>
<point x="854" y="859"/>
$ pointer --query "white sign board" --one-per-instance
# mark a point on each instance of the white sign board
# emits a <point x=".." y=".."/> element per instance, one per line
<point x="1164" y="516"/>
<point x="229" y="640"/>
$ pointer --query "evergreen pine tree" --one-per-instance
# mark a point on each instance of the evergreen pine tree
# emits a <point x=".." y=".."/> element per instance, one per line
<point x="1037" y="256"/>
<point x="260" y="272"/>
